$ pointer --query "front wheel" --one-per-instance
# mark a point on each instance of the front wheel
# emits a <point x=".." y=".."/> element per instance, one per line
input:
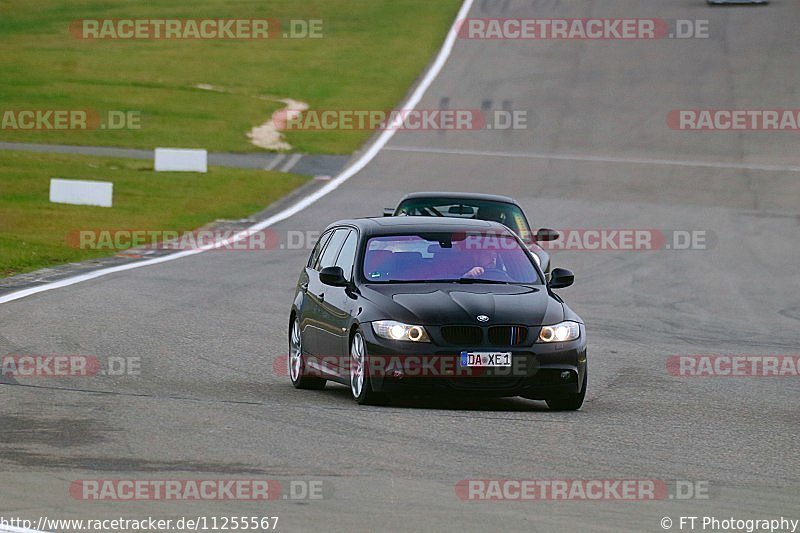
<point x="297" y="362"/>
<point x="572" y="402"/>
<point x="360" y="382"/>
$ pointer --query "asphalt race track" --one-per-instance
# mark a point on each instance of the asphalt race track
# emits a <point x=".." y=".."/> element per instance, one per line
<point x="597" y="153"/>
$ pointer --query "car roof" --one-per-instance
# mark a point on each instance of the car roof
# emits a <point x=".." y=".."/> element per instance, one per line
<point x="461" y="196"/>
<point x="416" y="224"/>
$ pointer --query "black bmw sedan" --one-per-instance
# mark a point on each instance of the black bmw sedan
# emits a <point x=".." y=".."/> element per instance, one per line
<point x="386" y="305"/>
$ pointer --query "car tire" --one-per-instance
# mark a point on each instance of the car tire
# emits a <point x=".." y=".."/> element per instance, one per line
<point x="573" y="402"/>
<point x="360" y="382"/>
<point x="297" y="361"/>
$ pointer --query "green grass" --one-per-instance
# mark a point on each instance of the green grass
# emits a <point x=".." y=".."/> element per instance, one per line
<point x="370" y="54"/>
<point x="34" y="232"/>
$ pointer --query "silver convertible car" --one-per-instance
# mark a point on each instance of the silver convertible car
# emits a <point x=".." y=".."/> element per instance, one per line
<point x="489" y="207"/>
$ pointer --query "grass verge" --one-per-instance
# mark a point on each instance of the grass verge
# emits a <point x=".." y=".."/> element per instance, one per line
<point x="369" y="54"/>
<point x="34" y="232"/>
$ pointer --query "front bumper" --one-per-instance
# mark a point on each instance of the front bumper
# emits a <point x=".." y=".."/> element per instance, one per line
<point x="538" y="371"/>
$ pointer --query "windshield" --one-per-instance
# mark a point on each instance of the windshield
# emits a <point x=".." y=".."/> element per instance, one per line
<point x="463" y="257"/>
<point x="509" y="215"/>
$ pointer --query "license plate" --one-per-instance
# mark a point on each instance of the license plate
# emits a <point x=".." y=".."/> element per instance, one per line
<point x="485" y="359"/>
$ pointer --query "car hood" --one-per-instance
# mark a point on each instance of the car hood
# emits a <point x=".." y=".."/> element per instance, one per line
<point x="428" y="304"/>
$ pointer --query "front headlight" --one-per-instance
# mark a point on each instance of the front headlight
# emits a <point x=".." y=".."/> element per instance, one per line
<point x="397" y="331"/>
<point x="562" y="332"/>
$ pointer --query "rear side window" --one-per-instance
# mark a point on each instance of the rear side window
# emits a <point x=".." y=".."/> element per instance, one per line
<point x="331" y="251"/>
<point x="348" y="255"/>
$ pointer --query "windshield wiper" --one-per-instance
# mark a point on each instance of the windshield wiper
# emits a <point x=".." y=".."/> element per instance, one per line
<point x="408" y="280"/>
<point x="459" y="280"/>
<point x="479" y="280"/>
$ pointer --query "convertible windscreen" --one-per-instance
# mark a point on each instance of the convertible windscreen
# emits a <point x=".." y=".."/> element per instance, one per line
<point x="509" y="215"/>
<point x="448" y="256"/>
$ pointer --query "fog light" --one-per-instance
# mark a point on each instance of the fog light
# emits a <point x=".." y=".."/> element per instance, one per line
<point x="566" y="375"/>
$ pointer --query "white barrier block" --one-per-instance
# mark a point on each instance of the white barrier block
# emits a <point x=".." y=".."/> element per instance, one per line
<point x="179" y="160"/>
<point x="81" y="192"/>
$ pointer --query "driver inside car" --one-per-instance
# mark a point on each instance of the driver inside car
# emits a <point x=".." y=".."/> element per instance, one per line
<point x="484" y="260"/>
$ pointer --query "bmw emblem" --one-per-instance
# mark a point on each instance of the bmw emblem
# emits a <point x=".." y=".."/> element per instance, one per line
<point x="482" y="318"/>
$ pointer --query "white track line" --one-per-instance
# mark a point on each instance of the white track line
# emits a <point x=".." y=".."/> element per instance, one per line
<point x="346" y="174"/>
<point x="592" y="158"/>
<point x="275" y="161"/>
<point x="291" y="163"/>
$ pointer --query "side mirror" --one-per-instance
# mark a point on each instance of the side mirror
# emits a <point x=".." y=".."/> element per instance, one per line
<point x="560" y="278"/>
<point x="545" y="234"/>
<point x="333" y="276"/>
<point x="388" y="211"/>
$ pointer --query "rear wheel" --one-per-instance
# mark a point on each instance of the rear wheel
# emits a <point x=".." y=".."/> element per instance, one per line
<point x="572" y="402"/>
<point x="297" y="362"/>
<point x="360" y="382"/>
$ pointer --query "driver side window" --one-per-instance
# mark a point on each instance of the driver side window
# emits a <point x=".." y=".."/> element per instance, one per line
<point x="314" y="258"/>
<point x="331" y="251"/>
<point x="348" y="255"/>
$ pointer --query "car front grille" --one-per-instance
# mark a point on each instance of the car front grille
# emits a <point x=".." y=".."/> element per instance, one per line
<point x="508" y="335"/>
<point x="462" y="335"/>
<point x="473" y="335"/>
